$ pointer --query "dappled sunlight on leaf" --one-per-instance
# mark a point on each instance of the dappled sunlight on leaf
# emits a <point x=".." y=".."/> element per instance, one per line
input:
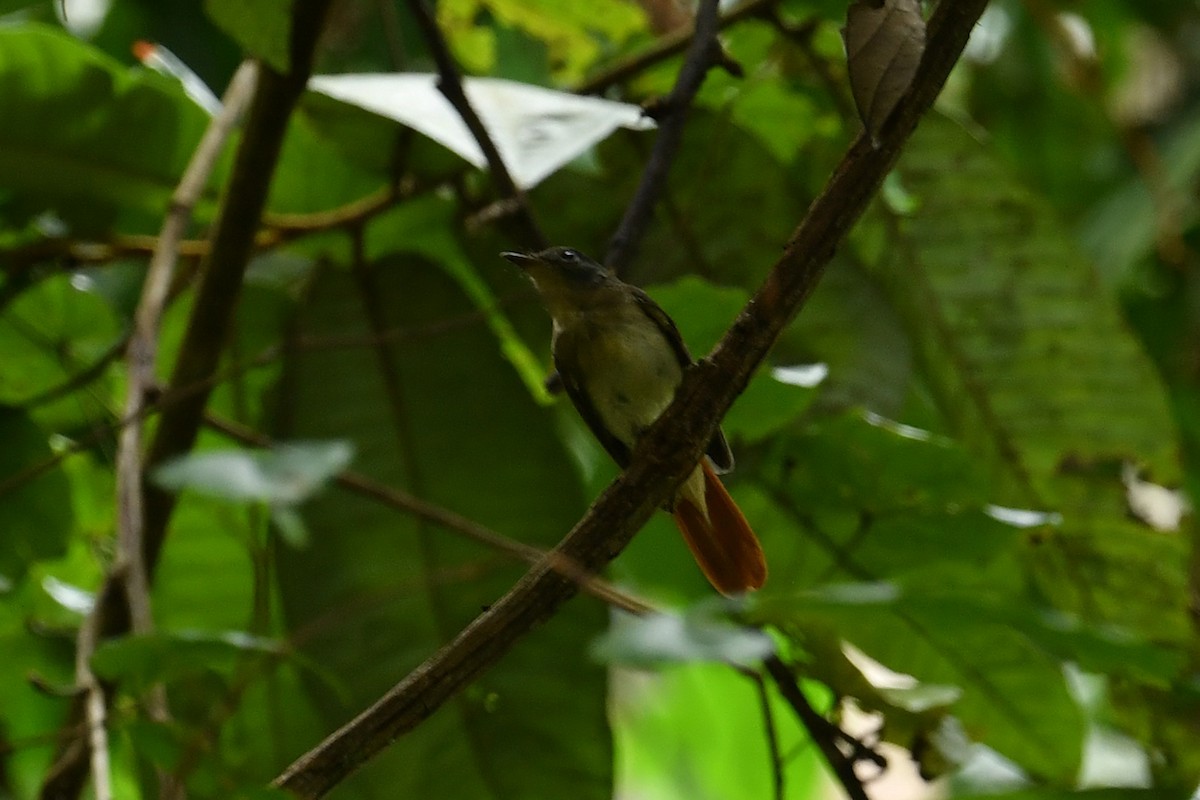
<point x="536" y="130"/>
<point x="286" y="474"/>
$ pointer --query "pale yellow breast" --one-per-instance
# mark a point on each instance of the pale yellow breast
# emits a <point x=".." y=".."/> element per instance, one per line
<point x="631" y="377"/>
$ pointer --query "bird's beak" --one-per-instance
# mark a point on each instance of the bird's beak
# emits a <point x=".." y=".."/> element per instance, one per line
<point x="522" y="260"/>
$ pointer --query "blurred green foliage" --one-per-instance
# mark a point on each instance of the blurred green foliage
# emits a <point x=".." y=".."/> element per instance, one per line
<point x="1010" y="334"/>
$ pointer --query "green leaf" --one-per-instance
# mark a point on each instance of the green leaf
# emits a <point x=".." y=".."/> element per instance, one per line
<point x="315" y="174"/>
<point x="1031" y="365"/>
<point x="287" y="474"/>
<point x="1014" y="697"/>
<point x="422" y="227"/>
<point x="569" y="30"/>
<point x="764" y="102"/>
<point x="141" y="660"/>
<point x="49" y="333"/>
<point x="85" y="137"/>
<point x="697" y="731"/>
<point x="263" y="28"/>
<point x="1029" y="359"/>
<point x="36" y="518"/>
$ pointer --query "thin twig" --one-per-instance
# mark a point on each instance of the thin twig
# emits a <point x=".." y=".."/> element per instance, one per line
<point x="232" y="244"/>
<point x="143" y="343"/>
<point x="820" y="730"/>
<point x="278" y="229"/>
<point x="95" y="709"/>
<point x="669" y="45"/>
<point x="450" y="85"/>
<point x="701" y="56"/>
<point x="403" y="501"/>
<point x="666" y="452"/>
<point x="140" y="358"/>
<point x="764" y="697"/>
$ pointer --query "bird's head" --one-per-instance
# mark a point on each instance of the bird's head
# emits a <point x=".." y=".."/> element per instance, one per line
<point x="567" y="279"/>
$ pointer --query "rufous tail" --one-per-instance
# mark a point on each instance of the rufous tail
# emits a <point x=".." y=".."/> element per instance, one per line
<point x="722" y="542"/>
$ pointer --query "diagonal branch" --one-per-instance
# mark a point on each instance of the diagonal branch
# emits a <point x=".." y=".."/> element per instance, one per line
<point x="439" y="515"/>
<point x="668" y="450"/>
<point x="702" y="54"/>
<point x="233" y="241"/>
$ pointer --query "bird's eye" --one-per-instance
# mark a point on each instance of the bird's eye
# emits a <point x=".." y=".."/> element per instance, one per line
<point x="569" y="256"/>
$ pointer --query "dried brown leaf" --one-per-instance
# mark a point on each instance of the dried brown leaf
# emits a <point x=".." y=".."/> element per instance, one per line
<point x="884" y="43"/>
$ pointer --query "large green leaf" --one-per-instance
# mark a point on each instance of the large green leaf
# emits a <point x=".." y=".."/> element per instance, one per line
<point x="433" y="409"/>
<point x="422" y="227"/>
<point x="1033" y="367"/>
<point x="84" y="136"/>
<point x="49" y="334"/>
<point x="1029" y="358"/>
<point x="696" y="732"/>
<point x="886" y="507"/>
<point x="263" y="28"/>
<point x="1014" y="696"/>
<point x="35" y="518"/>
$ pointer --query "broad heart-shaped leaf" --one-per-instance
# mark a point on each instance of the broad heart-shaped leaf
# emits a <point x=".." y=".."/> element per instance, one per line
<point x="84" y="136"/>
<point x="434" y="408"/>
<point x="35" y="518"/>
<point x="423" y="227"/>
<point x="1032" y="366"/>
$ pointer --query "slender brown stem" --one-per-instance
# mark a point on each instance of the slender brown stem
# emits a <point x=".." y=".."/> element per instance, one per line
<point x="456" y="523"/>
<point x="820" y="730"/>
<point x="701" y="55"/>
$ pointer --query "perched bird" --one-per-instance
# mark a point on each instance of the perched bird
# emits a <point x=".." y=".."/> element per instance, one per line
<point x="620" y="359"/>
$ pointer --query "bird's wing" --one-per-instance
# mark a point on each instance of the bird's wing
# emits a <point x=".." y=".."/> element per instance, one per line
<point x="718" y="448"/>
<point x="569" y="380"/>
